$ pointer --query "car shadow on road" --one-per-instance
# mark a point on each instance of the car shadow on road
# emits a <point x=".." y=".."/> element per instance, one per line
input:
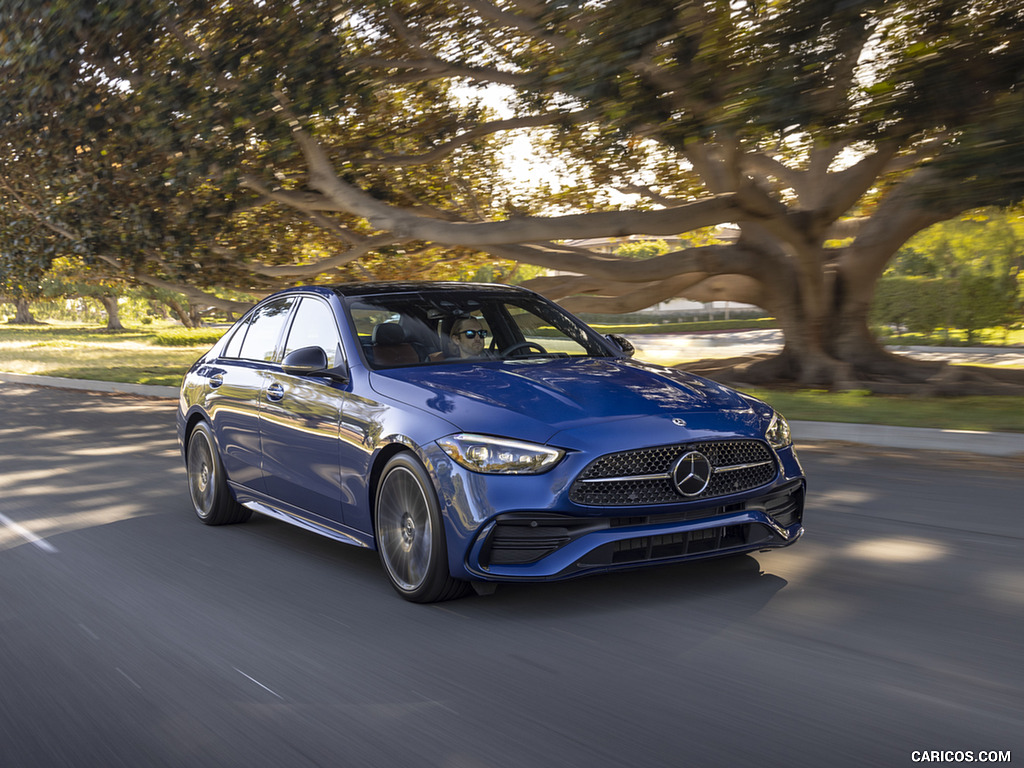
<point x="737" y="581"/>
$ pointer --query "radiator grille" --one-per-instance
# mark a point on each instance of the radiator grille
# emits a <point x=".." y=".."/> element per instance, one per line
<point x="644" y="476"/>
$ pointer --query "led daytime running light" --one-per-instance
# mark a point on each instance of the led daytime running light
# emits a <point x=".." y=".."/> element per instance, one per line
<point x="499" y="456"/>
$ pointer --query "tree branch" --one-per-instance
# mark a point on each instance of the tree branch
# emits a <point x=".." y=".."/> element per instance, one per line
<point x="484" y="129"/>
<point x="37" y="215"/>
<point x="406" y="224"/>
<point x="765" y="165"/>
<point x="613" y="298"/>
<point x="588" y="294"/>
<point x="900" y="215"/>
<point x="434" y="67"/>
<point x="524" y="24"/>
<point x="846" y="187"/>
<point x="319" y="267"/>
<point x="707" y="259"/>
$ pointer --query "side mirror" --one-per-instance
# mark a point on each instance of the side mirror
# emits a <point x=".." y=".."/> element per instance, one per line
<point x="303" y="362"/>
<point x="622" y="343"/>
<point x="311" y="361"/>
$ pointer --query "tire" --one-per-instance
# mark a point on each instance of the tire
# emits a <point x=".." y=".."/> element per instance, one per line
<point x="207" y="482"/>
<point x="410" y="536"/>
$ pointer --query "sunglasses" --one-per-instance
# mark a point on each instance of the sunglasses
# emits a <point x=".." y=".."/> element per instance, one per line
<point x="472" y="334"/>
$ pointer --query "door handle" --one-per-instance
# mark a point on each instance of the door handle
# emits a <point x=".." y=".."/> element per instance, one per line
<point x="275" y="392"/>
<point x="216" y="380"/>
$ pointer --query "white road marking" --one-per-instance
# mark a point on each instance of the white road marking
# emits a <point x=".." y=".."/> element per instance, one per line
<point x="126" y="677"/>
<point x="253" y="679"/>
<point x="26" y="534"/>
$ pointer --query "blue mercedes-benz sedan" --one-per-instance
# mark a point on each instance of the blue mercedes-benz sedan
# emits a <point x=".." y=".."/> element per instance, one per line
<point x="474" y="434"/>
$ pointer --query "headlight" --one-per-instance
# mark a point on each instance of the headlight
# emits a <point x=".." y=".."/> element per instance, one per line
<point x="498" y="456"/>
<point x="778" y="433"/>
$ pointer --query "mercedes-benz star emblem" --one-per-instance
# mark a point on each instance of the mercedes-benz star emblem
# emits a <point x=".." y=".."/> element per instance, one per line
<point x="679" y="422"/>
<point x="692" y="473"/>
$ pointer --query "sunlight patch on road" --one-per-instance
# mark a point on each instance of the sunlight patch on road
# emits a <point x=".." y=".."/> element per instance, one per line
<point x="845" y="496"/>
<point x="811" y="612"/>
<point x="93" y="518"/>
<point x="79" y="493"/>
<point x="794" y="564"/>
<point x="897" y="550"/>
<point x="33" y="475"/>
<point x="38" y="530"/>
<point x="105" y="450"/>
<point x="1006" y="587"/>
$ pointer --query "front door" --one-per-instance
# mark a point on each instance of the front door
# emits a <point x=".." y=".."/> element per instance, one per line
<point x="300" y="421"/>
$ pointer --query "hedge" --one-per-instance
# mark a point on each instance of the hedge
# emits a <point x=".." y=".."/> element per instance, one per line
<point x="922" y="304"/>
<point x="188" y="337"/>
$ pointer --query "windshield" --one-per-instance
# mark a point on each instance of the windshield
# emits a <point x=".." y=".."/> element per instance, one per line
<point x="451" y="325"/>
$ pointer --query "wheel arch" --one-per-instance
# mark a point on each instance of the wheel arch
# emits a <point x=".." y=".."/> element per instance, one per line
<point x="384" y="455"/>
<point x="191" y="420"/>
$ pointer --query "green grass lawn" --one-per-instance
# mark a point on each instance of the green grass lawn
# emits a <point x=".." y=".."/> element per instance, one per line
<point x="136" y="356"/>
<point x="81" y="352"/>
<point x="987" y="414"/>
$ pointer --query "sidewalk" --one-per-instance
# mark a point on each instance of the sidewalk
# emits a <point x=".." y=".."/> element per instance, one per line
<point x="742" y="343"/>
<point x="912" y="438"/>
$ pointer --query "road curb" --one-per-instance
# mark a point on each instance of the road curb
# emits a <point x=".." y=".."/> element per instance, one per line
<point x="110" y="387"/>
<point x="915" y="438"/>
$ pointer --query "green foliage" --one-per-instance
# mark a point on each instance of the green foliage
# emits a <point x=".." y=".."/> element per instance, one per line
<point x="964" y="273"/>
<point x="72" y="277"/>
<point x="642" y="249"/>
<point x="917" y="304"/>
<point x="986" y="241"/>
<point x="128" y="129"/>
<point x="188" y="337"/>
<point x="980" y="301"/>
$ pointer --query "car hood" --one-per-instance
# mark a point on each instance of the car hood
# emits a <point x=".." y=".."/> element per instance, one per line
<point x="536" y="399"/>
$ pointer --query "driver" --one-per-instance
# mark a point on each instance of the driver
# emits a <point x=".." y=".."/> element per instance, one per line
<point x="467" y="336"/>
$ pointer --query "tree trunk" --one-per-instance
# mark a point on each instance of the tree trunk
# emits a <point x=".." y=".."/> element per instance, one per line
<point x="23" y="313"/>
<point x="841" y="352"/>
<point x="181" y="312"/>
<point x="113" y="313"/>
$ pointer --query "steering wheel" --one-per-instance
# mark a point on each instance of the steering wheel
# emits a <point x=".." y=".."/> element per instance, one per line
<point x="523" y="345"/>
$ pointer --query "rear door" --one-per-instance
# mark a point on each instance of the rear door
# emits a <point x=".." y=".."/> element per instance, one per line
<point x="237" y="381"/>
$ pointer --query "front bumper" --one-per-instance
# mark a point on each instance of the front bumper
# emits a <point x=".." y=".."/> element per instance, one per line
<point x="535" y="528"/>
<point x="521" y="546"/>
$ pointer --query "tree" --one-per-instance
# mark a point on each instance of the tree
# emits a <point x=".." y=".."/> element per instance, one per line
<point x="141" y="172"/>
<point x="71" y="277"/>
<point x="21" y="272"/>
<point x="827" y="133"/>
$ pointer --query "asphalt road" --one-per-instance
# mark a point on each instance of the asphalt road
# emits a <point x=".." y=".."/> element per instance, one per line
<point x="132" y="635"/>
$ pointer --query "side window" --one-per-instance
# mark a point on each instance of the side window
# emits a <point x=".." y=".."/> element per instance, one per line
<point x="265" y="329"/>
<point x="314" y="326"/>
<point x="234" y="344"/>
